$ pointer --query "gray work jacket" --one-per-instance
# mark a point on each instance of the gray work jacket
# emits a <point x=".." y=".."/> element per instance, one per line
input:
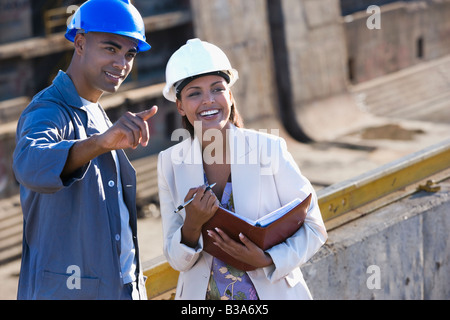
<point x="71" y="233"/>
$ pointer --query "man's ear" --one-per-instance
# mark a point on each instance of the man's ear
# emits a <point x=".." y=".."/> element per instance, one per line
<point x="180" y="108"/>
<point x="79" y="43"/>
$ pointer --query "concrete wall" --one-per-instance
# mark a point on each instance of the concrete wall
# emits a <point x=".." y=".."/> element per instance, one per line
<point x="316" y="49"/>
<point x="395" y="46"/>
<point x="241" y="30"/>
<point x="407" y="242"/>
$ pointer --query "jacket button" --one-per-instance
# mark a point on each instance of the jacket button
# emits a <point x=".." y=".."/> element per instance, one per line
<point x="117" y="237"/>
<point x="111" y="183"/>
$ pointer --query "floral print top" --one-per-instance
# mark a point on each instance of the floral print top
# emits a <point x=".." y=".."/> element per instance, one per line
<point x="227" y="282"/>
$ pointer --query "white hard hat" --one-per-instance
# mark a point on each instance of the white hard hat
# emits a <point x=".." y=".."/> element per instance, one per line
<point x="196" y="58"/>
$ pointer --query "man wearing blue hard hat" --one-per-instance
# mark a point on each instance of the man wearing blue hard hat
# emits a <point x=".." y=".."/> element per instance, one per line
<point x="77" y="187"/>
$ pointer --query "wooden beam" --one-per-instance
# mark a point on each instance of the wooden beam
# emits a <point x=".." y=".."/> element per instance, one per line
<point x="54" y="43"/>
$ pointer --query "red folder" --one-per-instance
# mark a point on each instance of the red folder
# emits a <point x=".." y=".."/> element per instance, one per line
<point x="290" y="221"/>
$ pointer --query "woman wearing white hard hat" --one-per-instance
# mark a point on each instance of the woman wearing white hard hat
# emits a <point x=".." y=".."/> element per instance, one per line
<point x="254" y="174"/>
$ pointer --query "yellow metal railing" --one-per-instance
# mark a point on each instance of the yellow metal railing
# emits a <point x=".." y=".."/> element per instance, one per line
<point x="346" y="201"/>
<point x="161" y="279"/>
<point x="349" y="199"/>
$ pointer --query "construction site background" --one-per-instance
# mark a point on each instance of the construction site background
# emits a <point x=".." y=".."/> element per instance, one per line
<point x="351" y="85"/>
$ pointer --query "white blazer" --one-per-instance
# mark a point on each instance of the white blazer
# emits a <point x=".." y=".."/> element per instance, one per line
<point x="264" y="177"/>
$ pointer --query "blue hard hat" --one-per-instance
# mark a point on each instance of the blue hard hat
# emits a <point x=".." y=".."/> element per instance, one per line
<point x="110" y="16"/>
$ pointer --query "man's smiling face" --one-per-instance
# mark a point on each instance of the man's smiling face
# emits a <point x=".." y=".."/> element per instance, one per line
<point x="107" y="60"/>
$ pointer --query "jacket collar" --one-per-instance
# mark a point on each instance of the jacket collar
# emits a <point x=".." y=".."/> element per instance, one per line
<point x="69" y="95"/>
<point x="67" y="90"/>
<point x="189" y="151"/>
<point x="245" y="169"/>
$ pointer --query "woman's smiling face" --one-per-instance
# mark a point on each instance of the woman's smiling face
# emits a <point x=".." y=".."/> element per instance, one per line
<point x="207" y="99"/>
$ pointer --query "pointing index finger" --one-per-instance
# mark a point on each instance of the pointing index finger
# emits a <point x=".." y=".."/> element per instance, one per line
<point x="147" y="114"/>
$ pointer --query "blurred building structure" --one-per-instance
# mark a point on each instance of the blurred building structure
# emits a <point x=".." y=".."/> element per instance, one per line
<point x="316" y="69"/>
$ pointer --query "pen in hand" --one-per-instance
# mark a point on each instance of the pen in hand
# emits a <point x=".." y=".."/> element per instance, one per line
<point x="181" y="207"/>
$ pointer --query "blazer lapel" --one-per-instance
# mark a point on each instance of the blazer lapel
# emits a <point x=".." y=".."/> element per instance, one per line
<point x="245" y="173"/>
<point x="245" y="170"/>
<point x="187" y="166"/>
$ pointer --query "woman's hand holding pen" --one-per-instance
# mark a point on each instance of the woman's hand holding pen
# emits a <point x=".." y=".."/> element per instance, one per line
<point x="198" y="212"/>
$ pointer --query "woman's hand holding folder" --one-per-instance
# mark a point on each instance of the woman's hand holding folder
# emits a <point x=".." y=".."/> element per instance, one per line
<point x="246" y="251"/>
<point x="266" y="232"/>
